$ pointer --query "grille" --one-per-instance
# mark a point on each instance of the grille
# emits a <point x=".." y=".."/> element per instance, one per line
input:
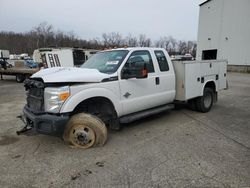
<point x="35" y="98"/>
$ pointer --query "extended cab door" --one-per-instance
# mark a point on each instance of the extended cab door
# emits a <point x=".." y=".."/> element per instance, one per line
<point x="166" y="86"/>
<point x="143" y="93"/>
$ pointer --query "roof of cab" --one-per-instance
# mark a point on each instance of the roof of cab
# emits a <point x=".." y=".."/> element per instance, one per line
<point x="135" y="48"/>
<point x="205" y="2"/>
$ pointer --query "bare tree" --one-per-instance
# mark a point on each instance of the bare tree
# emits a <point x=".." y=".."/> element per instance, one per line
<point x="131" y="41"/>
<point x="182" y="47"/>
<point x="144" y="41"/>
<point x="112" y="39"/>
<point x="192" y="47"/>
<point x="163" y="42"/>
<point x="44" y="32"/>
<point x="44" y="35"/>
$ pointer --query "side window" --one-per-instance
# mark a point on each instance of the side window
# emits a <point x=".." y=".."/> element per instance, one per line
<point x="140" y="57"/>
<point x="162" y="60"/>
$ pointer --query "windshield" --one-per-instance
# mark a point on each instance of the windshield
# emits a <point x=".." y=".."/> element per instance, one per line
<point x="107" y="61"/>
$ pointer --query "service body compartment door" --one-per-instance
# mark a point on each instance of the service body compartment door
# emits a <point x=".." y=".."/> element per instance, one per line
<point x="191" y="77"/>
<point x="192" y="83"/>
<point x="223" y="75"/>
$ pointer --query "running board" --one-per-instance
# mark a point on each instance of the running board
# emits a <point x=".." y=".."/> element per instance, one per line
<point x="139" y="115"/>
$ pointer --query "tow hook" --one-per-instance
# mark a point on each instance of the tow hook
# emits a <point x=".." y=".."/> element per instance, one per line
<point x="26" y="128"/>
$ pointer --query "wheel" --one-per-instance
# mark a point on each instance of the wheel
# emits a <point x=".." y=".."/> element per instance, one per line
<point x="85" y="131"/>
<point x="205" y="103"/>
<point x="20" y="78"/>
<point x="10" y="66"/>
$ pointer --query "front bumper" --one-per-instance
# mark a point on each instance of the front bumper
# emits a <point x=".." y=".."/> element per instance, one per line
<point x="45" y="123"/>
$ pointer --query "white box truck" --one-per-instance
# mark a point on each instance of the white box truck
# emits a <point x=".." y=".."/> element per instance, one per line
<point x="114" y="87"/>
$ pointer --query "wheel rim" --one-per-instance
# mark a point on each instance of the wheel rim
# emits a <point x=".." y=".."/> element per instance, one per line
<point x="82" y="136"/>
<point x="18" y="78"/>
<point x="207" y="100"/>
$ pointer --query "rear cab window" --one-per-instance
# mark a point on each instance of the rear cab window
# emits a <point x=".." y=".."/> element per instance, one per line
<point x="162" y="60"/>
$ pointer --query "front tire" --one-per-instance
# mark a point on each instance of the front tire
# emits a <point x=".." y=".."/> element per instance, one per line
<point x="205" y="102"/>
<point x="85" y="131"/>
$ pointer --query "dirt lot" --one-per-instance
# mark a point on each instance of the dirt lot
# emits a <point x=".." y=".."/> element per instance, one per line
<point x="179" y="148"/>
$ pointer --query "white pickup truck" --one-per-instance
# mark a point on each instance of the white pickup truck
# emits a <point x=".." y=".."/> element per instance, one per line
<point x="115" y="87"/>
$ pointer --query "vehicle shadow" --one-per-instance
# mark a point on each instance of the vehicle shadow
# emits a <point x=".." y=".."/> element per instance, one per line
<point x="156" y="117"/>
<point x="148" y="119"/>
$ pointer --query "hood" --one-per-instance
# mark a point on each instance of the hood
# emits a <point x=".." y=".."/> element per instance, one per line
<point x="60" y="74"/>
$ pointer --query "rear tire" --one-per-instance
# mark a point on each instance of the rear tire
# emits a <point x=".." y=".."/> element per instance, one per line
<point x="85" y="131"/>
<point x="205" y="102"/>
<point x="20" y="78"/>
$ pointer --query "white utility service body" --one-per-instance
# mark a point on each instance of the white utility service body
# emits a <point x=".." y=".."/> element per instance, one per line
<point x="192" y="76"/>
<point x="120" y="86"/>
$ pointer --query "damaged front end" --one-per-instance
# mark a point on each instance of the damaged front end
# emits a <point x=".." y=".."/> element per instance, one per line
<point x="34" y="116"/>
<point x="34" y="91"/>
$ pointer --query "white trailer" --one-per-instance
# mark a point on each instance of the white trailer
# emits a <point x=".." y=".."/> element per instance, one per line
<point x="4" y="54"/>
<point x="37" y="54"/>
<point x="62" y="57"/>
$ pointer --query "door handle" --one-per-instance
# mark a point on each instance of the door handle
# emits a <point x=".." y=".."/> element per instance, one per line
<point x="157" y="80"/>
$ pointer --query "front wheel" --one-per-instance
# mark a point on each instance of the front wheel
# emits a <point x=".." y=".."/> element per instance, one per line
<point x="85" y="131"/>
<point x="205" y="102"/>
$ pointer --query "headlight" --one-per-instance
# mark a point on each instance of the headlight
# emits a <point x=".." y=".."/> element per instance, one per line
<point x="54" y="98"/>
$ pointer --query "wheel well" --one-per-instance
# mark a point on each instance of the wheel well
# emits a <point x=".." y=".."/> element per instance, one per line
<point x="99" y="106"/>
<point x="211" y="85"/>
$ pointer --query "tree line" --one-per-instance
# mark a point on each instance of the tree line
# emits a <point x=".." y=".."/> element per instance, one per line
<point x="44" y="35"/>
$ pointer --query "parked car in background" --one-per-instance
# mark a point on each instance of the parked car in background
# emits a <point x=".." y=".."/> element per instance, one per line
<point x="186" y="57"/>
<point x="4" y="64"/>
<point x="30" y="63"/>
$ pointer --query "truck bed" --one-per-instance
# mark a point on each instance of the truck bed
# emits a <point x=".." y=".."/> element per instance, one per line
<point x="18" y="70"/>
<point x="191" y="77"/>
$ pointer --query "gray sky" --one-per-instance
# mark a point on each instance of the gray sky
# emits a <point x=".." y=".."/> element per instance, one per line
<point x="90" y="18"/>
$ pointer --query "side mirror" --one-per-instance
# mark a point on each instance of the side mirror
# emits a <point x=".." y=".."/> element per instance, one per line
<point x="127" y="73"/>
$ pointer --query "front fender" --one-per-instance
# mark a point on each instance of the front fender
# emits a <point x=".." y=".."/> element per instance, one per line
<point x="77" y="98"/>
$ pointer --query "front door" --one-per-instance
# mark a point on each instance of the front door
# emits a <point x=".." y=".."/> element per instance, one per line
<point x="139" y="94"/>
